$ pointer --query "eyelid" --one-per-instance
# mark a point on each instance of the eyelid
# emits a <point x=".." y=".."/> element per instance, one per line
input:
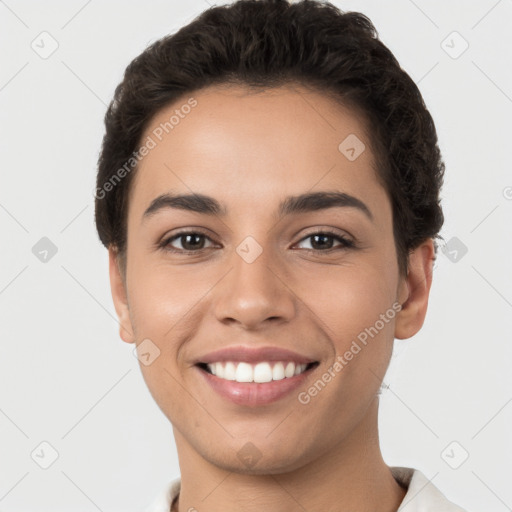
<point x="328" y="230"/>
<point x="346" y="242"/>
<point x="164" y="242"/>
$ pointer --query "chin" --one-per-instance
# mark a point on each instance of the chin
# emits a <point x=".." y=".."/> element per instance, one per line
<point x="248" y="460"/>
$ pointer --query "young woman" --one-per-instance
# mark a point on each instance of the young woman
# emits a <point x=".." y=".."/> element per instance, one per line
<point x="268" y="190"/>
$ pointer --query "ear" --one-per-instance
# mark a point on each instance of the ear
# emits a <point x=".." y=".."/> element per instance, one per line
<point x="414" y="290"/>
<point x="117" y="287"/>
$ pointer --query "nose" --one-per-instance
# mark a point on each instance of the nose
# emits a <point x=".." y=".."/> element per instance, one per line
<point x="254" y="293"/>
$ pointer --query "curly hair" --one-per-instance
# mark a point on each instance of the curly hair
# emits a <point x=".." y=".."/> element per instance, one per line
<point x="269" y="43"/>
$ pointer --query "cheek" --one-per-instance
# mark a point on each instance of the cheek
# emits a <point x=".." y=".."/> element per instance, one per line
<point x="161" y="298"/>
<point x="165" y="304"/>
<point x="356" y="313"/>
<point x="348" y="299"/>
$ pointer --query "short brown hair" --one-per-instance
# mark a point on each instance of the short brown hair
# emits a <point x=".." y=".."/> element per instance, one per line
<point x="269" y="43"/>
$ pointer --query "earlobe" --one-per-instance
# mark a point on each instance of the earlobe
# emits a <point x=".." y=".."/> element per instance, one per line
<point x="119" y="296"/>
<point x="415" y="290"/>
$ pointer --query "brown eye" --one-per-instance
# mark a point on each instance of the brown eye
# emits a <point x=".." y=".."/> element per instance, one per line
<point x="322" y="241"/>
<point x="190" y="241"/>
<point x="194" y="241"/>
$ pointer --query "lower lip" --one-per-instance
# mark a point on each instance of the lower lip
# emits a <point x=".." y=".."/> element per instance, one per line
<point x="254" y="394"/>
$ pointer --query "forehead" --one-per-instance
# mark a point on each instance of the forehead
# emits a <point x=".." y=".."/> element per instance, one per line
<point x="232" y="142"/>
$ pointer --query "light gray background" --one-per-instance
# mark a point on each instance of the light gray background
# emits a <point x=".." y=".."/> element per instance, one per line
<point x="67" y="378"/>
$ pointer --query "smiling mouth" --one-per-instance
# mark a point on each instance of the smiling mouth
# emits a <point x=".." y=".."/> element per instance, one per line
<point x="265" y="371"/>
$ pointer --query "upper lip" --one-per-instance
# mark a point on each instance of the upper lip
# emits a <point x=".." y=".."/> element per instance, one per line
<point x="253" y="355"/>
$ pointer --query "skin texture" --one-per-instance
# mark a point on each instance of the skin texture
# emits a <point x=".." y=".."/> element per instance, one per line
<point x="249" y="151"/>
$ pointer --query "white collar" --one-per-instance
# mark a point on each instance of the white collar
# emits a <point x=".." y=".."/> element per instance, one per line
<point x="422" y="495"/>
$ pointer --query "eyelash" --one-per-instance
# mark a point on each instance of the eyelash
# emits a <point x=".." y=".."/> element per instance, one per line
<point x="345" y="242"/>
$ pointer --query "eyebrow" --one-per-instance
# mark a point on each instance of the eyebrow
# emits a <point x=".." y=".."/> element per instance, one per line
<point x="308" y="202"/>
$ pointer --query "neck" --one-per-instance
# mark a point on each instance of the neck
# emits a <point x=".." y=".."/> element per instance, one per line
<point x="351" y="476"/>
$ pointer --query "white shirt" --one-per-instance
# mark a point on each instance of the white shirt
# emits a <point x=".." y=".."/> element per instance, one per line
<point x="421" y="496"/>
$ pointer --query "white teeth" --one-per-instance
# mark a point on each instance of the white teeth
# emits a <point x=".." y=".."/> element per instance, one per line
<point x="229" y="371"/>
<point x="243" y="372"/>
<point x="289" y="370"/>
<point x="260" y="372"/>
<point x="219" y="370"/>
<point x="278" y="371"/>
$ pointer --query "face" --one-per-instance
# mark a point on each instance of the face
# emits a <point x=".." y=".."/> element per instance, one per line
<point x="262" y="271"/>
